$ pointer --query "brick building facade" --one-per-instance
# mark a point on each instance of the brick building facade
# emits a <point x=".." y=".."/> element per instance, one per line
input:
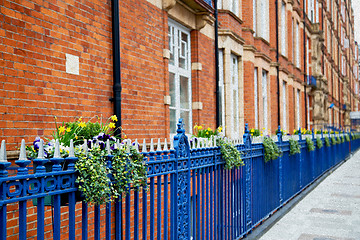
<point x="276" y="67"/>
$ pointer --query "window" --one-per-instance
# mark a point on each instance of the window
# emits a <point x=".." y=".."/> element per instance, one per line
<point x="235" y="96"/>
<point x="284" y="108"/>
<point x="263" y="30"/>
<point x="308" y="111"/>
<point x="297" y="39"/>
<point x="256" y="103"/>
<point x="264" y="100"/>
<point x="254" y="16"/>
<point x="297" y="109"/>
<point x="283" y="28"/>
<point x="234" y="6"/>
<point x="221" y="89"/>
<point x="179" y="76"/>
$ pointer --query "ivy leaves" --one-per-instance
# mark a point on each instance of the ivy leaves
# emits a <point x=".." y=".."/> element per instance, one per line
<point x="271" y="149"/>
<point x="294" y="147"/>
<point x="310" y="144"/>
<point x="230" y="154"/>
<point x="100" y="184"/>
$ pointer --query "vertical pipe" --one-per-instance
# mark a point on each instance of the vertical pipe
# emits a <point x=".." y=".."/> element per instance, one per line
<point x="216" y="26"/>
<point x="277" y="60"/>
<point x="305" y="73"/>
<point x="116" y="63"/>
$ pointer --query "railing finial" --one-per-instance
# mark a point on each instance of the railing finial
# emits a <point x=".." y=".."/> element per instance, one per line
<point x="3" y="157"/>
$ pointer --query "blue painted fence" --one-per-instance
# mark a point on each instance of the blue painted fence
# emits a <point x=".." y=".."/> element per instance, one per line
<point x="189" y="195"/>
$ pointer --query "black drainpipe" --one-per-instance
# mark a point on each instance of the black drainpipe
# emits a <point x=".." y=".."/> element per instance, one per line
<point x="116" y="64"/>
<point x="217" y="77"/>
<point x="305" y="73"/>
<point x="277" y="60"/>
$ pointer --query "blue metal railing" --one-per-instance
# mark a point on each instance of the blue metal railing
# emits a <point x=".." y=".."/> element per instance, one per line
<point x="189" y="194"/>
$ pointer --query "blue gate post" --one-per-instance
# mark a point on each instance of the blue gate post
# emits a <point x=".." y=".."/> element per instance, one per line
<point x="281" y="188"/>
<point x="300" y="161"/>
<point x="182" y="183"/>
<point x="248" y="179"/>
<point x="4" y="164"/>
<point x="312" y="155"/>
<point x="22" y="170"/>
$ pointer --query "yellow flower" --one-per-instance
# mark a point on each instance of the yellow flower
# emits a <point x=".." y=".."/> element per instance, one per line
<point x="209" y="129"/>
<point x="294" y="131"/>
<point x="219" y="129"/>
<point x="80" y="119"/>
<point x="125" y="136"/>
<point x="111" y="125"/>
<point x="68" y="129"/>
<point x="76" y="137"/>
<point x="252" y="130"/>
<point x="61" y="129"/>
<point x="200" y="127"/>
<point x="114" y="118"/>
<point x="82" y="124"/>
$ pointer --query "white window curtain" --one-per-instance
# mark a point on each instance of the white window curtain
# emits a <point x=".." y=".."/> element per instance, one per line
<point x="264" y="101"/>
<point x="298" y="109"/>
<point x="297" y="39"/>
<point x="180" y="76"/>
<point x="221" y="89"/>
<point x="284" y="108"/>
<point x="283" y="28"/>
<point x="256" y="101"/>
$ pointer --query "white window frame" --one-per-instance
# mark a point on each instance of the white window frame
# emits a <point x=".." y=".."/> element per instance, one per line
<point x="180" y="72"/>
<point x="235" y="116"/>
<point x="255" y="17"/>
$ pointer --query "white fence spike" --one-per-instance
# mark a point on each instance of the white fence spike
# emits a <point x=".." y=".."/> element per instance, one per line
<point x="198" y="143"/>
<point x="171" y="144"/>
<point x="215" y="141"/>
<point x="193" y="143"/>
<point x="144" y="146"/>
<point x="166" y="145"/>
<point x="71" y="150"/>
<point x="3" y="157"/>
<point x="152" y="145"/>
<point x="22" y="150"/>
<point x="57" y="149"/>
<point x="85" y="147"/>
<point x="136" y="145"/>
<point x="108" y="147"/>
<point x="41" y="150"/>
<point x="158" y="145"/>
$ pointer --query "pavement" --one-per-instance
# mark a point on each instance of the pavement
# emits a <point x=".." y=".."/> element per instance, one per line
<point x="331" y="211"/>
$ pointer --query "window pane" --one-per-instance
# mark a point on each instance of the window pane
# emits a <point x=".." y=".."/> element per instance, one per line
<point x="172" y="89"/>
<point x="184" y="92"/>
<point x="186" y="120"/>
<point x="172" y="120"/>
<point x="183" y="48"/>
<point x="171" y="44"/>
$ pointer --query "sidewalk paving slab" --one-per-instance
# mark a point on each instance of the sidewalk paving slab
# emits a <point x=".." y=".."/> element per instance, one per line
<point x="331" y="211"/>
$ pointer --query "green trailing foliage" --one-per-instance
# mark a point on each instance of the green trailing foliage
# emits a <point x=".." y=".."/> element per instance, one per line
<point x="93" y="178"/>
<point x="347" y="137"/>
<point x="128" y="171"/>
<point x="230" y="154"/>
<point x="342" y="139"/>
<point x="327" y="141"/>
<point x="319" y="143"/>
<point x="271" y="149"/>
<point x="333" y="140"/>
<point x="294" y="146"/>
<point x="310" y="144"/>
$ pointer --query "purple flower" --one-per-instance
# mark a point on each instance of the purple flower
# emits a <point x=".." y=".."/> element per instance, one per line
<point x="36" y="143"/>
